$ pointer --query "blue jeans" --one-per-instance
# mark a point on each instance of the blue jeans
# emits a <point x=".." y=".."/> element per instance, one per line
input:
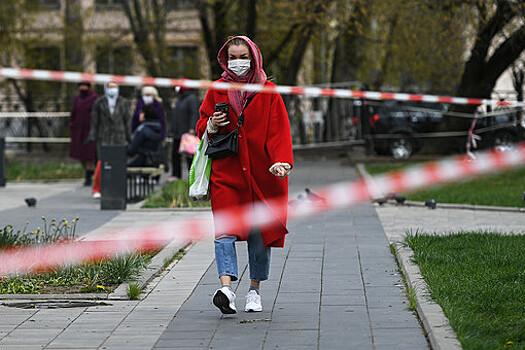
<point x="258" y="255"/>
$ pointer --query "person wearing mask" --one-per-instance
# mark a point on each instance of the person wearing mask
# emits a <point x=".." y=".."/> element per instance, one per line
<point x="184" y="119"/>
<point x="149" y="96"/>
<point x="79" y="123"/>
<point x="146" y="139"/>
<point x="110" y="125"/>
<point x="257" y="174"/>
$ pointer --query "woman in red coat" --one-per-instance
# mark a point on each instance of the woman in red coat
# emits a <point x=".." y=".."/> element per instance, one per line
<point x="256" y="174"/>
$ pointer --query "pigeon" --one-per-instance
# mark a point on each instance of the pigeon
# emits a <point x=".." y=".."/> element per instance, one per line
<point x="400" y="199"/>
<point x="296" y="202"/>
<point x="313" y="197"/>
<point x="31" y="202"/>
<point x="431" y="204"/>
<point x="380" y="201"/>
<point x="397" y="197"/>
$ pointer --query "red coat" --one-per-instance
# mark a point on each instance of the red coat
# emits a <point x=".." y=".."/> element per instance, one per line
<point x="264" y="140"/>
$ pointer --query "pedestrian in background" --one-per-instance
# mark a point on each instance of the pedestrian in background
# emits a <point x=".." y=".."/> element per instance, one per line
<point x="184" y="118"/>
<point x="258" y="173"/>
<point x="146" y="139"/>
<point x="149" y="96"/>
<point x="110" y="125"/>
<point x="79" y="124"/>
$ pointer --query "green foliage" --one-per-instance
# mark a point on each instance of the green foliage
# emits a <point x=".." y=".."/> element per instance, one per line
<point x="133" y="291"/>
<point x="478" y="279"/>
<point x="89" y="277"/>
<point x="500" y="189"/>
<point x="53" y="231"/>
<point x="49" y="171"/>
<point x="173" y="195"/>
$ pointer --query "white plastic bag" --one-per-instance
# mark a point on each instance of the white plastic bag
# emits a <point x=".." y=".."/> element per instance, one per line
<point x="200" y="172"/>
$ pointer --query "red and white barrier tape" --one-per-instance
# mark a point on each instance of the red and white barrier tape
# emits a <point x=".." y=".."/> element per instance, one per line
<point x="76" y="77"/>
<point x="339" y="195"/>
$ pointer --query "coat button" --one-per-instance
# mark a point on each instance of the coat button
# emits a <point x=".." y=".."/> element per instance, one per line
<point x="244" y="168"/>
<point x="240" y="135"/>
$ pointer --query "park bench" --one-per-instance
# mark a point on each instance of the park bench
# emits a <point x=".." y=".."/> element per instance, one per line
<point x="140" y="182"/>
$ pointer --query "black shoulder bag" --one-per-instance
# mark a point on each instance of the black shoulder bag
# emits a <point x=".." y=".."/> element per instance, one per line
<point x="225" y="145"/>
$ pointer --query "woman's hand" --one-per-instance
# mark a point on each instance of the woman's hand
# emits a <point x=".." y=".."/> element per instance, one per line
<point x="219" y="119"/>
<point x="281" y="170"/>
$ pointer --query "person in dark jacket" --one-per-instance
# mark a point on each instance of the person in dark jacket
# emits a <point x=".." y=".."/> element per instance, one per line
<point x="149" y="96"/>
<point x="146" y="139"/>
<point x="79" y="123"/>
<point x="184" y="119"/>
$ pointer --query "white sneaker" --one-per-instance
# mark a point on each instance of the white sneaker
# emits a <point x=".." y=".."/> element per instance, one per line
<point x="96" y="194"/>
<point x="224" y="299"/>
<point x="253" y="302"/>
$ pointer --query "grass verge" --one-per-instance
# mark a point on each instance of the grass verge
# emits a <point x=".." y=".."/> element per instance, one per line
<point x="98" y="277"/>
<point x="173" y="195"/>
<point x="503" y="189"/>
<point x="479" y="281"/>
<point x="49" y="171"/>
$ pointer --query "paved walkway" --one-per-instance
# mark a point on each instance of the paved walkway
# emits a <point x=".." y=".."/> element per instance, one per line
<point x="335" y="285"/>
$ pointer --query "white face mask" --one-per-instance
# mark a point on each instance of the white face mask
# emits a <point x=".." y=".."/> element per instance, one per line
<point x="147" y="99"/>
<point x="112" y="92"/>
<point x="239" y="67"/>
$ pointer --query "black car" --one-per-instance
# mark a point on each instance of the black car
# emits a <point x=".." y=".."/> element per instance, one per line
<point x="400" y="129"/>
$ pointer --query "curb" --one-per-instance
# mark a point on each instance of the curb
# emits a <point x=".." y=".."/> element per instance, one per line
<point x="439" y="332"/>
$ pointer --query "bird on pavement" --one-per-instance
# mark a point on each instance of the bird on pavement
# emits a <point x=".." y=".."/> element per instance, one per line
<point x="313" y="197"/>
<point x="31" y="202"/>
<point x="431" y="204"/>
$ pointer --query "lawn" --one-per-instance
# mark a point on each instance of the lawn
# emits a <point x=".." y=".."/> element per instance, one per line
<point x="500" y="189"/>
<point x="479" y="281"/>
<point x="16" y="171"/>
<point x="101" y="276"/>
<point x="173" y="195"/>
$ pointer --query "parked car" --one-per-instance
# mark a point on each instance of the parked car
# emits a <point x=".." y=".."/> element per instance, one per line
<point x="393" y="126"/>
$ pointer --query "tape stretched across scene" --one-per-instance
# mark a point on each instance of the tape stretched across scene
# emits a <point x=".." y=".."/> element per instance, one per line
<point x="341" y="195"/>
<point x="134" y="80"/>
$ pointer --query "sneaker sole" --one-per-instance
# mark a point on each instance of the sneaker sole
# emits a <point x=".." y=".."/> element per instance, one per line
<point x="221" y="301"/>
<point x="252" y="310"/>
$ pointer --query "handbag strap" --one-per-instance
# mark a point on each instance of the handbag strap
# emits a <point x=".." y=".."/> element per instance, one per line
<point x="241" y="117"/>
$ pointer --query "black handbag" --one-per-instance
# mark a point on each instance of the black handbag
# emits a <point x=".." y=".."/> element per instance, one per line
<point x="225" y="145"/>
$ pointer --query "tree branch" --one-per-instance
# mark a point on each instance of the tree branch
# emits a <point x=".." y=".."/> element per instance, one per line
<point x="251" y="23"/>
<point x="508" y="52"/>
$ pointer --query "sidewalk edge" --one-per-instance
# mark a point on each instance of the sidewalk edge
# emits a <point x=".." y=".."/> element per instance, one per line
<point x="436" y="324"/>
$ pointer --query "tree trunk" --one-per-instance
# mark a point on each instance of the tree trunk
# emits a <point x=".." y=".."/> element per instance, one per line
<point x="347" y="59"/>
<point x="482" y="71"/>
<point x="73" y="46"/>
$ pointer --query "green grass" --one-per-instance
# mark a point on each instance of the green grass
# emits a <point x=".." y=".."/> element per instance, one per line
<point x="173" y="195"/>
<point x="501" y="189"/>
<point x="479" y="281"/>
<point x="133" y="291"/>
<point x="97" y="277"/>
<point x="49" y="171"/>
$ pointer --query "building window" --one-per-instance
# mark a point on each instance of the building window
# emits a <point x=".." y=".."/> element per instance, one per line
<point x="44" y="4"/>
<point x="116" y="60"/>
<point x="184" y="61"/>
